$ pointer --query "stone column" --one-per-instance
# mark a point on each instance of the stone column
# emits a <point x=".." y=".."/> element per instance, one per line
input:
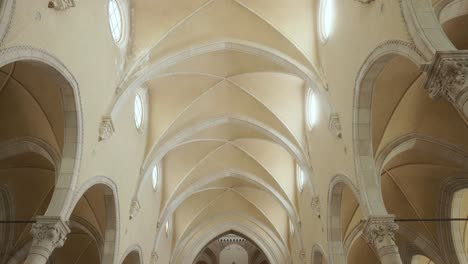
<point x="447" y="77"/>
<point x="48" y="234"/>
<point x="379" y="232"/>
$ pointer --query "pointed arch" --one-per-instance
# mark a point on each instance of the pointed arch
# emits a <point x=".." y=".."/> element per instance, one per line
<point x="72" y="147"/>
<point x="111" y="198"/>
<point x="136" y="79"/>
<point x="366" y="172"/>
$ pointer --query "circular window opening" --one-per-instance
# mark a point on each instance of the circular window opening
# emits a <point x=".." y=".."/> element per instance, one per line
<point x="326" y="19"/>
<point x="155" y="176"/>
<point x="138" y="111"/>
<point x="300" y="178"/>
<point x="166" y="227"/>
<point x="115" y="20"/>
<point x="311" y="109"/>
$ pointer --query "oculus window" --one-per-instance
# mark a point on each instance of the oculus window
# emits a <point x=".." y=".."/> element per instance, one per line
<point x="312" y="109"/>
<point x="115" y="20"/>
<point x="138" y="111"/>
<point x="327" y="16"/>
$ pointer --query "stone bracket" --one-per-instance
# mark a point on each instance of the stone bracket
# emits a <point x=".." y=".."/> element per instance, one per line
<point x="106" y="128"/>
<point x="61" y="4"/>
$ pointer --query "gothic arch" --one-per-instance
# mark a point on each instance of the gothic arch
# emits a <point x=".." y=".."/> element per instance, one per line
<point x="424" y="27"/>
<point x="71" y="153"/>
<point x="138" y="76"/>
<point x="318" y="255"/>
<point x="174" y="202"/>
<point x="112" y="231"/>
<point x="337" y="254"/>
<point x="366" y="172"/>
<point x="194" y="241"/>
<point x="134" y="251"/>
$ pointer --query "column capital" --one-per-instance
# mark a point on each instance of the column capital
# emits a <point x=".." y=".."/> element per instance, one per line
<point x="50" y="230"/>
<point x="61" y="4"/>
<point x="380" y="228"/>
<point x="447" y="75"/>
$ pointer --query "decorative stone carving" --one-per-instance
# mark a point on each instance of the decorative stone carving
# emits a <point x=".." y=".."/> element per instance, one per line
<point x="51" y="230"/>
<point x="106" y="129"/>
<point x="334" y="124"/>
<point x="154" y="257"/>
<point x="380" y="228"/>
<point x="315" y="204"/>
<point x="48" y="234"/>
<point x="134" y="208"/>
<point x="61" y="4"/>
<point x="447" y="74"/>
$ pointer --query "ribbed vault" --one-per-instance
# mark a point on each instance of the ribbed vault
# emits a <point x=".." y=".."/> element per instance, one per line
<point x="225" y="111"/>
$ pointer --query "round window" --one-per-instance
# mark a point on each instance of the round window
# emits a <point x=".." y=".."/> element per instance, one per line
<point x="167" y="228"/>
<point x="326" y="18"/>
<point x="155" y="176"/>
<point x="115" y="20"/>
<point x="300" y="178"/>
<point x="138" y="111"/>
<point x="312" y="107"/>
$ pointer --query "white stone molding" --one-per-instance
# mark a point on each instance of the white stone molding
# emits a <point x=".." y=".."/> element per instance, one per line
<point x="318" y="255"/>
<point x="72" y="149"/>
<point x="175" y="201"/>
<point x="48" y="234"/>
<point x="106" y="128"/>
<point x="111" y="198"/>
<point x="160" y="149"/>
<point x="419" y="244"/>
<point x="447" y="77"/>
<point x="134" y="248"/>
<point x="446" y="10"/>
<point x="61" y="4"/>
<point x="334" y="125"/>
<point x="367" y="176"/>
<point x="451" y="242"/>
<point x="19" y="145"/>
<point x="424" y="27"/>
<point x="193" y="240"/>
<point x="137" y="78"/>
<point x="335" y="243"/>
<point x="439" y="149"/>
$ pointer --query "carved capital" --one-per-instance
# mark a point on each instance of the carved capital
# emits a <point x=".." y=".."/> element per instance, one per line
<point x="134" y="208"/>
<point x="334" y="124"/>
<point x="380" y="229"/>
<point x="51" y="231"/>
<point x="447" y="75"/>
<point x="106" y="128"/>
<point x="315" y="204"/>
<point x="154" y="257"/>
<point x="61" y="4"/>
